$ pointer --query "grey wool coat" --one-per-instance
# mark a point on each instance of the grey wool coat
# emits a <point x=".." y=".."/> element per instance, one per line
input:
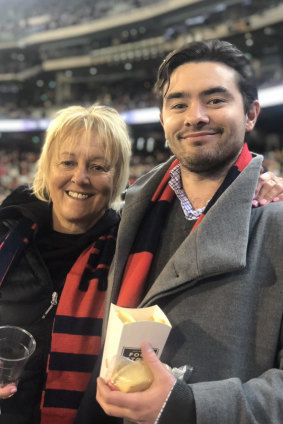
<point x="222" y="291"/>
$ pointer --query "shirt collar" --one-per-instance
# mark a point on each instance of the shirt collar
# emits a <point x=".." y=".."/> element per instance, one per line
<point x="175" y="183"/>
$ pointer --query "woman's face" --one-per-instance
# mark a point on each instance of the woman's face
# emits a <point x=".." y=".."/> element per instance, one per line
<point x="80" y="185"/>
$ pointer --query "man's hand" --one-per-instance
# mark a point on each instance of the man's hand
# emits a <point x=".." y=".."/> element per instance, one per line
<point x="7" y="391"/>
<point x="140" y="407"/>
<point x="269" y="189"/>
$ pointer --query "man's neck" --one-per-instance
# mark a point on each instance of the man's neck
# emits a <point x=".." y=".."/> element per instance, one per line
<point x="200" y="188"/>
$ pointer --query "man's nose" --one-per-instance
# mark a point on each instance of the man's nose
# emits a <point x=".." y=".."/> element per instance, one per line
<point x="196" y="114"/>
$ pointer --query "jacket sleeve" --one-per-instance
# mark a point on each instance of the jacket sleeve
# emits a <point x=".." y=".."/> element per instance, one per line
<point x="180" y="405"/>
<point x="258" y="401"/>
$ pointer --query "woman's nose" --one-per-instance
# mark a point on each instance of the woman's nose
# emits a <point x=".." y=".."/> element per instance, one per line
<point x="80" y="176"/>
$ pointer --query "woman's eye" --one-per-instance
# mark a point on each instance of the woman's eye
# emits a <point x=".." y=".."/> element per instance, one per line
<point x="98" y="168"/>
<point x="68" y="163"/>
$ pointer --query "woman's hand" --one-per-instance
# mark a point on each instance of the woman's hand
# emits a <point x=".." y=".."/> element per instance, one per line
<point x="269" y="189"/>
<point x="140" y="407"/>
<point x="7" y="391"/>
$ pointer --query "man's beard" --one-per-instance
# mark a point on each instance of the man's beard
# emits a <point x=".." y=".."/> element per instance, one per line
<point x="207" y="161"/>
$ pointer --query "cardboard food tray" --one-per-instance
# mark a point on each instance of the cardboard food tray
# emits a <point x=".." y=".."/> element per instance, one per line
<point x="125" y="339"/>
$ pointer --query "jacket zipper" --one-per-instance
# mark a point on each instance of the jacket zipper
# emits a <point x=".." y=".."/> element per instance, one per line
<point x="54" y="300"/>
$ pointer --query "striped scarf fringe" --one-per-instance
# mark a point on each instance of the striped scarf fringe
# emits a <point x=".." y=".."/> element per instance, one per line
<point x="148" y="236"/>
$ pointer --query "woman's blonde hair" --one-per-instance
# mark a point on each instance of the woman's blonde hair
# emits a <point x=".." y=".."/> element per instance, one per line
<point x="73" y="122"/>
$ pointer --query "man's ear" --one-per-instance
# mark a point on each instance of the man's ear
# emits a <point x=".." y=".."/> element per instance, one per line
<point x="252" y="115"/>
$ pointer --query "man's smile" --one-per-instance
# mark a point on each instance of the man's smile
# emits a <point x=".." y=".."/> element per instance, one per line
<point x="197" y="134"/>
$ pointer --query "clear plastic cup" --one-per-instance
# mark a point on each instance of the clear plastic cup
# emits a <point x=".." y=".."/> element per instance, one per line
<point x="16" y="347"/>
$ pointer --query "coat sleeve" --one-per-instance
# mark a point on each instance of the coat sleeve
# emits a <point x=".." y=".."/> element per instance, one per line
<point x="258" y="401"/>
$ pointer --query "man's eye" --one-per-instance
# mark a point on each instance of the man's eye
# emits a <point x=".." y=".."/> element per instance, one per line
<point x="215" y="101"/>
<point x="179" y="106"/>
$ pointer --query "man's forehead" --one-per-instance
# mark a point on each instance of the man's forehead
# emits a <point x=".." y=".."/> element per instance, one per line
<point x="205" y="64"/>
<point x="202" y="75"/>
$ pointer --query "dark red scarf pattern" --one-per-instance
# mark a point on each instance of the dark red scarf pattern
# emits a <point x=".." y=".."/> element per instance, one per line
<point x="148" y="236"/>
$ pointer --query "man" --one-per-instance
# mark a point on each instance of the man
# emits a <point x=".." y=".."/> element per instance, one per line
<point x="190" y="242"/>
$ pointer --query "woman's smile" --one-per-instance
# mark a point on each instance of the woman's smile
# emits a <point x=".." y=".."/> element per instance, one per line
<point x="77" y="195"/>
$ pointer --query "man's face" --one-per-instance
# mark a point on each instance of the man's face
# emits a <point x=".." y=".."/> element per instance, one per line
<point x="203" y="116"/>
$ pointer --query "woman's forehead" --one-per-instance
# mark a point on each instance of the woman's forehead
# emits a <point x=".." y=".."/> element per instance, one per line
<point x="81" y="140"/>
<point x="88" y="146"/>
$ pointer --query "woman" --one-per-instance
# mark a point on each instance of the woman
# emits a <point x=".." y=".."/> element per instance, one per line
<point x="58" y="239"/>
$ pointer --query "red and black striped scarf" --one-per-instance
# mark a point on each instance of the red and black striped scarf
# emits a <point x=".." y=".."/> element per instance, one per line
<point x="148" y="236"/>
<point x="76" y="333"/>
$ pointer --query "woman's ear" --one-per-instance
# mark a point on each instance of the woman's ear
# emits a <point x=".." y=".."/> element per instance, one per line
<point x="252" y="115"/>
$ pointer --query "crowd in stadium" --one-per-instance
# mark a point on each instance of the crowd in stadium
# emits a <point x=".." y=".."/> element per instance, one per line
<point x="123" y="97"/>
<point x="30" y="16"/>
<point x="16" y="168"/>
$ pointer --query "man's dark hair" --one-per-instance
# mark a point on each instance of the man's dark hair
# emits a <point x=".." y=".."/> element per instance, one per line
<point x="209" y="51"/>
